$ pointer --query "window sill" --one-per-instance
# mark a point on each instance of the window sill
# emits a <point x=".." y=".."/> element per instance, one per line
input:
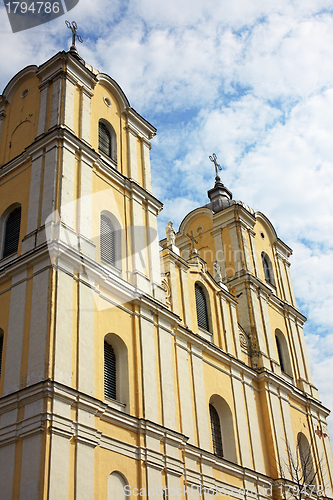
<point x="110" y="162"/>
<point x="205" y="334"/>
<point x="117" y="405"/>
<point x="112" y="269"/>
<point x="7" y="259"/>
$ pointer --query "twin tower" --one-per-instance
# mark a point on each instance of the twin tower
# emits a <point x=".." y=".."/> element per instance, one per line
<point x="127" y="371"/>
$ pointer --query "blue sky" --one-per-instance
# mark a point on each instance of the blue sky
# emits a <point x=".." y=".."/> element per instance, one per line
<point x="252" y="81"/>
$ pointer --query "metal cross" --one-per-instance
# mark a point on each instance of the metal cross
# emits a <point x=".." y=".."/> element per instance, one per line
<point x="218" y="167"/>
<point x="73" y="28"/>
<point x="193" y="240"/>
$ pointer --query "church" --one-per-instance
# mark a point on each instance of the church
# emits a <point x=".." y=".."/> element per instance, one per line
<point x="131" y="367"/>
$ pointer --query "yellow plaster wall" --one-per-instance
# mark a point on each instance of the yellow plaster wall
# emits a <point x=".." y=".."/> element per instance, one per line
<point x="206" y="243"/>
<point x="107" y="462"/>
<point x="19" y="127"/>
<point x="13" y="188"/>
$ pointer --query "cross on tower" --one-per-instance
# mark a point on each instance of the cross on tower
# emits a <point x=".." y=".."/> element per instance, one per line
<point x="218" y="167"/>
<point x="193" y="240"/>
<point x="73" y="28"/>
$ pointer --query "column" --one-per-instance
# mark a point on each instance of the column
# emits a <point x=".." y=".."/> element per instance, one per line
<point x="29" y="241"/>
<point x="240" y="415"/>
<point x="85" y="114"/>
<point x="254" y="253"/>
<point x="139" y="244"/>
<point x="237" y="253"/>
<point x="247" y="256"/>
<point x="133" y="157"/>
<point x="200" y="399"/>
<point x="234" y="323"/>
<point x="153" y="246"/>
<point x="254" y="425"/>
<point x="86" y="340"/>
<point x="185" y="390"/>
<point x="56" y="102"/>
<point x="186" y="297"/>
<point x="278" y="430"/>
<point x="146" y="165"/>
<point x="49" y="189"/>
<point x="167" y="375"/>
<point x="259" y="328"/>
<point x="15" y="334"/>
<point x="44" y="94"/>
<point x="149" y="366"/>
<point x="38" y="325"/>
<point x="87" y="245"/>
<point x="63" y="334"/>
<point x="69" y="103"/>
<point x="270" y="339"/>
<point x="31" y="462"/>
<point x="226" y="314"/>
<point x="219" y="251"/>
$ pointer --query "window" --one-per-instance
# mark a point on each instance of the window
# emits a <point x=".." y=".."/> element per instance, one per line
<point x="116" y="380"/>
<point x="222" y="428"/>
<point x="201" y="304"/>
<point x="283" y="353"/>
<point x="117" y="487"/>
<point x="279" y="350"/>
<point x="305" y="458"/>
<point x="267" y="268"/>
<point x="107" y="141"/>
<point x="110" y="377"/>
<point x="108" y="253"/>
<point x="12" y="232"/>
<point x="216" y="431"/>
<point x="1" y="348"/>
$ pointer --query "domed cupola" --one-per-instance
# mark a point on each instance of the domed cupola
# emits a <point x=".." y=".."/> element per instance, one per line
<point x="220" y="196"/>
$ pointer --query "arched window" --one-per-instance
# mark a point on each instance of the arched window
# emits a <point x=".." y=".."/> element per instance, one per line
<point x="117" y="487"/>
<point x="268" y="271"/>
<point x="283" y="352"/>
<point x="116" y="380"/>
<point x="107" y="141"/>
<point x="222" y="428"/>
<point x="280" y="355"/>
<point x="1" y="348"/>
<point x="305" y="458"/>
<point x="107" y="238"/>
<point x="12" y="232"/>
<point x="216" y="431"/>
<point x="110" y="372"/>
<point x="202" y="310"/>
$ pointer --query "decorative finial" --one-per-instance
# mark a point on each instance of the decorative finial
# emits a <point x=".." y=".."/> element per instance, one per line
<point x="73" y="28"/>
<point x="193" y="240"/>
<point x="218" y="167"/>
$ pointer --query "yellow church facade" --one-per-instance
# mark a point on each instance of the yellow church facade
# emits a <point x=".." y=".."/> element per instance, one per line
<point x="127" y="371"/>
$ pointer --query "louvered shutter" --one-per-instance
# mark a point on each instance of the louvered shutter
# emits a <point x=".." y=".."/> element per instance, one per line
<point x="107" y="241"/>
<point x="216" y="431"/>
<point x="12" y="233"/>
<point x="109" y="372"/>
<point x="104" y="139"/>
<point x="201" y="304"/>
